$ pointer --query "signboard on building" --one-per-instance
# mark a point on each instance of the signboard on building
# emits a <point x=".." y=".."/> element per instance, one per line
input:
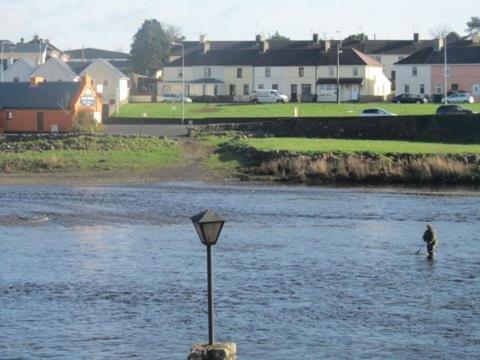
<point x="88" y="101"/>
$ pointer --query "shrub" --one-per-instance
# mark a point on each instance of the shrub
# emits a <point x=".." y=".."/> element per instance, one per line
<point x="84" y="122"/>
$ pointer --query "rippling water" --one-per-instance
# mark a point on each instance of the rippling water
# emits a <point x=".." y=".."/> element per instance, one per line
<point x="301" y="273"/>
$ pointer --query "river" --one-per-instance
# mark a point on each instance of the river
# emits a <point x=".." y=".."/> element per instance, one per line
<point x="300" y="273"/>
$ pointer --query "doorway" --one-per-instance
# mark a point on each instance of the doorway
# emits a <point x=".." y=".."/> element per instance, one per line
<point x="40" y="121"/>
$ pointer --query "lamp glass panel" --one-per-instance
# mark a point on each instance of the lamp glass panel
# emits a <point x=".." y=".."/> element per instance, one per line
<point x="198" y="228"/>
<point x="211" y="231"/>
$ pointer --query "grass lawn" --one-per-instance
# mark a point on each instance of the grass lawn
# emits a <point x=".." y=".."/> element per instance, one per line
<point x="87" y="153"/>
<point x="301" y="145"/>
<point x="199" y="111"/>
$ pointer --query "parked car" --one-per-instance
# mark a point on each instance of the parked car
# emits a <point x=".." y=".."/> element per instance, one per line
<point x="461" y="97"/>
<point x="374" y="112"/>
<point x="453" y="110"/>
<point x="411" y="99"/>
<point x="175" y="98"/>
<point x="268" y="96"/>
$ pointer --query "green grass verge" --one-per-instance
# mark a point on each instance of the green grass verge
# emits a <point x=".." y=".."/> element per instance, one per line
<point x="200" y="111"/>
<point x="308" y="146"/>
<point x="89" y="153"/>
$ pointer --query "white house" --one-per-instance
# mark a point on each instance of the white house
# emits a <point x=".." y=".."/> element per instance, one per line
<point x="55" y="70"/>
<point x="19" y="71"/>
<point x="110" y="82"/>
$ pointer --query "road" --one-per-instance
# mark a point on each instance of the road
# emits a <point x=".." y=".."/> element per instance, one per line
<point x="150" y="130"/>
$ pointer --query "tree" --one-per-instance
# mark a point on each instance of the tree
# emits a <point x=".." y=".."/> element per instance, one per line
<point x="278" y="37"/>
<point x="453" y="36"/>
<point x="151" y="46"/>
<point x="440" y="31"/>
<point x="473" y="25"/>
<point x="356" y="37"/>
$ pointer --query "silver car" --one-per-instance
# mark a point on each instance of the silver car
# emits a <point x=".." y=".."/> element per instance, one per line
<point x="461" y="98"/>
<point x="374" y="112"/>
<point x="175" y="98"/>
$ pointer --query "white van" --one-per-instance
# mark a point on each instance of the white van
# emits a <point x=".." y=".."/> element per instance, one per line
<point x="268" y="96"/>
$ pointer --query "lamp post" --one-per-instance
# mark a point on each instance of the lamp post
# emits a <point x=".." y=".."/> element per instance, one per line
<point x="183" y="78"/>
<point x="445" y="70"/>
<point x="339" y="51"/>
<point x="209" y="226"/>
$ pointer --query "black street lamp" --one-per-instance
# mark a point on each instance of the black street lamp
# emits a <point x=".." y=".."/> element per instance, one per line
<point x="209" y="226"/>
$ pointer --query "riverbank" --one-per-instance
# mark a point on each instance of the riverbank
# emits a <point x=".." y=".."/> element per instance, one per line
<point x="108" y="160"/>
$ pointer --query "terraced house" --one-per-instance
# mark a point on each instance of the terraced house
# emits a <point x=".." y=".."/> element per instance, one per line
<point x="305" y="71"/>
<point x="424" y="71"/>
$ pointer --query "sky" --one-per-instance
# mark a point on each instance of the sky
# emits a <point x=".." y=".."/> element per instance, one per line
<point x="111" y="24"/>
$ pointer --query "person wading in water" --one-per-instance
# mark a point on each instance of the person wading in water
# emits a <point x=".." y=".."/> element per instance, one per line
<point x="431" y="240"/>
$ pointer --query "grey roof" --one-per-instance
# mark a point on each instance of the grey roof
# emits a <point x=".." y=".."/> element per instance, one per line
<point x="393" y="47"/>
<point x="78" y="66"/>
<point x="48" y="95"/>
<point x="455" y="55"/>
<point x="274" y="57"/>
<point x="92" y="54"/>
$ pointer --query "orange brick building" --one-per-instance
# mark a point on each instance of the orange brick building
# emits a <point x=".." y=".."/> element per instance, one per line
<point x="44" y="107"/>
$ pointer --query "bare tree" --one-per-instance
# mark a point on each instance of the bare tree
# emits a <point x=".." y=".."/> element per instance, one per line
<point x="440" y="31"/>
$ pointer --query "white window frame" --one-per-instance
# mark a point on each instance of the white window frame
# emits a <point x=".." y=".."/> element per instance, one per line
<point x="414" y="71"/>
<point x="268" y="72"/>
<point x="355" y="71"/>
<point x="207" y="72"/>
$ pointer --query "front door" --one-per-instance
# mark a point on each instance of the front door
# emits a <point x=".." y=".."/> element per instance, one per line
<point x="294" y="92"/>
<point x="40" y="121"/>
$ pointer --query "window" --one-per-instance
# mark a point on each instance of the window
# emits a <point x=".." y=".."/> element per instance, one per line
<point x="476" y="89"/>
<point x="275" y="86"/>
<point x="239" y="73"/>
<point x="246" y="89"/>
<point x="105" y="83"/>
<point x="233" y="90"/>
<point x="378" y="58"/>
<point x="204" y="89"/>
<point x="179" y="73"/>
<point x="306" y="89"/>
<point x="393" y="75"/>
<point x="331" y="71"/>
<point x="447" y="70"/>
<point x="261" y="86"/>
<point x="268" y="72"/>
<point x="422" y="89"/>
<point x="355" y="71"/>
<point x="16" y="79"/>
<point x="301" y="72"/>
<point x="207" y="72"/>
<point x="9" y="115"/>
<point x="215" y="90"/>
<point x="406" y="89"/>
<point x="438" y="89"/>
<point x="455" y="87"/>
<point x="414" y="71"/>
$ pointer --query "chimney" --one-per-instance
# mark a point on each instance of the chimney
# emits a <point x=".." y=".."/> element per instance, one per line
<point x="258" y="38"/>
<point x="315" y="38"/>
<point x="36" y="80"/>
<point x="205" y="45"/>
<point x="264" y="46"/>
<point x="327" y="44"/>
<point x="22" y="41"/>
<point x="439" y="44"/>
<point x="416" y="37"/>
<point x="476" y="39"/>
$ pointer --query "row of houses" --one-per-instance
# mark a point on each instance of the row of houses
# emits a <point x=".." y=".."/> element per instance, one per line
<point x="368" y="70"/>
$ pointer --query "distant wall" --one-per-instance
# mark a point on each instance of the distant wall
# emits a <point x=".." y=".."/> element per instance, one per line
<point x="454" y="129"/>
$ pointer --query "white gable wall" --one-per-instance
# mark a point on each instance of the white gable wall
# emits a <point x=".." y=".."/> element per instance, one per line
<point x="20" y="70"/>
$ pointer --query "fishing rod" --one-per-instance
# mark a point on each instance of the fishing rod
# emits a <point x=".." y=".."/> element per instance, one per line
<point x="418" y="251"/>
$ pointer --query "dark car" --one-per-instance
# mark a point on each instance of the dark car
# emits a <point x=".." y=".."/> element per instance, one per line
<point x="453" y="110"/>
<point x="411" y="99"/>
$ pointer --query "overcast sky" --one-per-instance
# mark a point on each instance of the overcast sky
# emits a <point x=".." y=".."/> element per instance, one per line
<point x="110" y="24"/>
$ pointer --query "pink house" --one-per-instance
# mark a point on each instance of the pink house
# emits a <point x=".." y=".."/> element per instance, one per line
<point x="424" y="71"/>
<point x="461" y="77"/>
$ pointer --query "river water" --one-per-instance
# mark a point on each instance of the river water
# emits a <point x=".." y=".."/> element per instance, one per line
<point x="300" y="273"/>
